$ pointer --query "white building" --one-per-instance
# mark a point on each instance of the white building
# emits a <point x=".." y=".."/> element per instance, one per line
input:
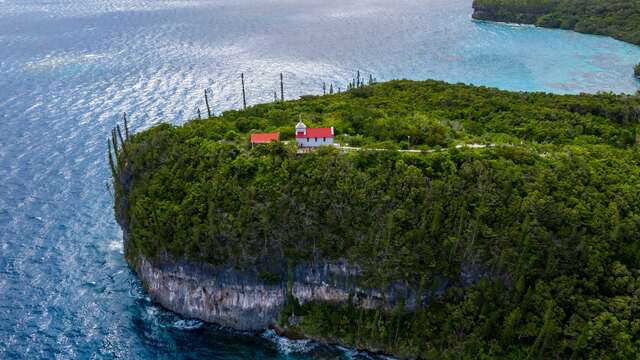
<point x="313" y="137"/>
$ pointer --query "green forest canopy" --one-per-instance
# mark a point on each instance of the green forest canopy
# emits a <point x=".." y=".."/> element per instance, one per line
<point x="529" y="248"/>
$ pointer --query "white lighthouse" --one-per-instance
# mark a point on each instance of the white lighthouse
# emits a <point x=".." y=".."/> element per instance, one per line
<point x="313" y="137"/>
<point x="301" y="129"/>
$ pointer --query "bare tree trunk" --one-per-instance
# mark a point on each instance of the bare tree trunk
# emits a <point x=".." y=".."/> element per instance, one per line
<point x="126" y="127"/>
<point x="206" y="100"/>
<point x="120" y="136"/>
<point x="244" y="97"/>
<point x="281" y="87"/>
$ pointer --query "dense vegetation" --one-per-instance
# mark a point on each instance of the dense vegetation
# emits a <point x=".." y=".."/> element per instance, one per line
<point x="637" y="71"/>
<point x="616" y="18"/>
<point x="530" y="248"/>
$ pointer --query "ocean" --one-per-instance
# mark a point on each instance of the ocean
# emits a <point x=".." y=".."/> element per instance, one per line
<point x="70" y="68"/>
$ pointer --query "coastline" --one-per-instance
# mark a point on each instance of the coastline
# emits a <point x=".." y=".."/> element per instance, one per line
<point x="319" y="296"/>
<point x="498" y="14"/>
<point x="240" y="301"/>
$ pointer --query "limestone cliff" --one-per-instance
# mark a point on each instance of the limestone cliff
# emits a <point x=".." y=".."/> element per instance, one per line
<point x="240" y="300"/>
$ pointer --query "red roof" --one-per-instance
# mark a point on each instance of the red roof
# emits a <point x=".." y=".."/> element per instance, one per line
<point x="317" y="133"/>
<point x="265" y="138"/>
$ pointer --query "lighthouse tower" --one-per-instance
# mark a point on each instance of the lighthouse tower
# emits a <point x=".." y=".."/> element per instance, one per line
<point x="301" y="129"/>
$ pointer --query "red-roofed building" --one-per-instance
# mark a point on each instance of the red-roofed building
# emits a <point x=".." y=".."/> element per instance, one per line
<point x="313" y="137"/>
<point x="264" y="138"/>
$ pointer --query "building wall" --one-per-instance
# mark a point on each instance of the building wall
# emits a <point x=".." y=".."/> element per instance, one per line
<point x="314" y="142"/>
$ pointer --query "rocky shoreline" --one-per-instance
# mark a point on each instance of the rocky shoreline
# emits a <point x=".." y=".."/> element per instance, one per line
<point x="240" y="299"/>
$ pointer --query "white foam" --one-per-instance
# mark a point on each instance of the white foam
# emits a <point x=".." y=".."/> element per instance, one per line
<point x="288" y="346"/>
<point x="357" y="354"/>
<point x="187" y="324"/>
<point x="116" y="245"/>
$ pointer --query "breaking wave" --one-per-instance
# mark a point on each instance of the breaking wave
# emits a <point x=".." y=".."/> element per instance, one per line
<point x="288" y="346"/>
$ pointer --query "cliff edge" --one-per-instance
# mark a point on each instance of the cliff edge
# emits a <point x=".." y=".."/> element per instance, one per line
<point x="527" y="248"/>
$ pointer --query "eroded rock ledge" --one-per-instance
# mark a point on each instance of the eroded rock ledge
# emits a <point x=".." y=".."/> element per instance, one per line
<point x="241" y="300"/>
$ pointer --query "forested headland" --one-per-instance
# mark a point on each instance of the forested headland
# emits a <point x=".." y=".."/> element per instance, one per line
<point x="619" y="19"/>
<point x="526" y="249"/>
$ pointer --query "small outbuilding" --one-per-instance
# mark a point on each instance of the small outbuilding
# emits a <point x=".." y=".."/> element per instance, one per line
<point x="264" y="138"/>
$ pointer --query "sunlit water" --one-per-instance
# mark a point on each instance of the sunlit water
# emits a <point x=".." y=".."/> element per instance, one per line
<point x="68" y="68"/>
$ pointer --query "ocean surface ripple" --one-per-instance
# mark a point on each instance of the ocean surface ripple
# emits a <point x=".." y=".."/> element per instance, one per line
<point x="70" y="68"/>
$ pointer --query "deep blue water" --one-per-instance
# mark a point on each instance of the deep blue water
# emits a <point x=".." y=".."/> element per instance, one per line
<point x="68" y="68"/>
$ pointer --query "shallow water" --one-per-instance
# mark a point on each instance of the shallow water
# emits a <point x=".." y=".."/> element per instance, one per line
<point x="68" y="68"/>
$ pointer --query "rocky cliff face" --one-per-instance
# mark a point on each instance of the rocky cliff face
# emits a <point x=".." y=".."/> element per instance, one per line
<point x="216" y="299"/>
<point x="242" y="300"/>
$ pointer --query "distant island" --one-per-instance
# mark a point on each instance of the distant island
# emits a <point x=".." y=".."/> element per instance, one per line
<point x="440" y="221"/>
<point x="619" y="19"/>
